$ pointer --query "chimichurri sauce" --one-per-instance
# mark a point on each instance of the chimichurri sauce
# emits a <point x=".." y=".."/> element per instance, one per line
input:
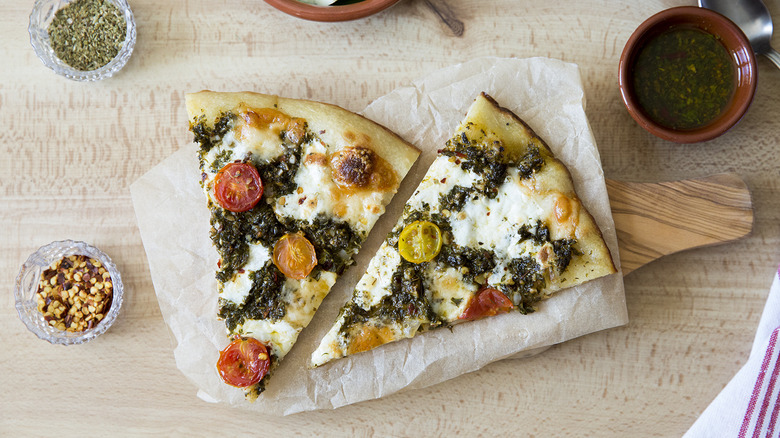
<point x="683" y="78"/>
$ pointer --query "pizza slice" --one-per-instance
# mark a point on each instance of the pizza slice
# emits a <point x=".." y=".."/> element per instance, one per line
<point x="293" y="188"/>
<point x="494" y="226"/>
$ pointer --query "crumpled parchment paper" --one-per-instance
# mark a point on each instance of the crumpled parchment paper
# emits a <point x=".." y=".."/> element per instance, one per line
<point x="174" y="225"/>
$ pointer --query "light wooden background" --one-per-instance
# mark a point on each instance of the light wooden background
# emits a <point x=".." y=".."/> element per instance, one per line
<point x="71" y="150"/>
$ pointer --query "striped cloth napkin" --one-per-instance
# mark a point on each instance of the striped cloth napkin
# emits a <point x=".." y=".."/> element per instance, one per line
<point x="749" y="406"/>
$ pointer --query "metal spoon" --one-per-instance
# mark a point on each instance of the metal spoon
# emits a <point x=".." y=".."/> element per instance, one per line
<point x="753" y="18"/>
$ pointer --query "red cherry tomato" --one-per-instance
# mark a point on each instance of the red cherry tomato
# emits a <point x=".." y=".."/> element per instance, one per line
<point x="488" y="302"/>
<point x="243" y="362"/>
<point x="238" y="187"/>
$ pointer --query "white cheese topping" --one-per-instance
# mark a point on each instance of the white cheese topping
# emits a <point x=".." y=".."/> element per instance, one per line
<point x="493" y="223"/>
<point x="449" y="291"/>
<point x="237" y="288"/>
<point x="317" y="193"/>
<point x="280" y="335"/>
<point x="303" y="297"/>
<point x="262" y="143"/>
<point x="375" y="284"/>
<point x="441" y="177"/>
<point x="331" y="346"/>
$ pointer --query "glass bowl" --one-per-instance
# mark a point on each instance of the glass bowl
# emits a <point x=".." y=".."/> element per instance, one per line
<point x="27" y="286"/>
<point x="43" y="14"/>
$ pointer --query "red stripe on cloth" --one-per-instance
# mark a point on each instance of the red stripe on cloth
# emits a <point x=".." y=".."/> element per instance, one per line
<point x="769" y="390"/>
<point x="759" y="383"/>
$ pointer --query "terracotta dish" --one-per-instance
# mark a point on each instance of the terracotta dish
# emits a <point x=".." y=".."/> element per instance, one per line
<point x="738" y="48"/>
<point x="331" y="13"/>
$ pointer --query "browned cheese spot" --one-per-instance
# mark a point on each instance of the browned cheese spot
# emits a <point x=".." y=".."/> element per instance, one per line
<point x="352" y="166"/>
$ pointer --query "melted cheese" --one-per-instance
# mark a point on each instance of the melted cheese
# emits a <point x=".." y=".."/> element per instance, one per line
<point x="442" y="176"/>
<point x="493" y="223"/>
<point x="238" y="287"/>
<point x="317" y="193"/>
<point x="331" y="346"/>
<point x="262" y="141"/>
<point x="375" y="284"/>
<point x="449" y="291"/>
<point x="303" y="297"/>
<point x="280" y="335"/>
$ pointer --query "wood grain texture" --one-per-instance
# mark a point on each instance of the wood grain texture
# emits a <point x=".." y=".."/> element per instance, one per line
<point x="657" y="219"/>
<point x="72" y="150"/>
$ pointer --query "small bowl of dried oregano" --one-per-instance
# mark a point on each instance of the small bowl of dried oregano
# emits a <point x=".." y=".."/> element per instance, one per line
<point x="83" y="40"/>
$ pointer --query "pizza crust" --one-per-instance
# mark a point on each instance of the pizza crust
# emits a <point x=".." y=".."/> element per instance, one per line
<point x="338" y="128"/>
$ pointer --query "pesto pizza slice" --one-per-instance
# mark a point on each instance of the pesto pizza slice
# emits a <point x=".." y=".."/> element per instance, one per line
<point x="293" y="188"/>
<point x="494" y="226"/>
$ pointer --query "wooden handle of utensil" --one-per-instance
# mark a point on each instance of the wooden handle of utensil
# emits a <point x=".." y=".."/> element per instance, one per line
<point x="656" y="219"/>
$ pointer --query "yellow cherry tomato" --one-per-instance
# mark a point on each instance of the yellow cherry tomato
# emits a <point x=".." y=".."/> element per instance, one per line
<point x="420" y="241"/>
<point x="294" y="255"/>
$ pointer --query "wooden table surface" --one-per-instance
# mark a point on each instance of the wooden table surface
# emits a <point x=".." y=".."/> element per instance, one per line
<point x="73" y="149"/>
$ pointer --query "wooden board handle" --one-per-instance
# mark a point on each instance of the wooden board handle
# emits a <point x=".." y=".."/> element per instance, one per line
<point x="656" y="219"/>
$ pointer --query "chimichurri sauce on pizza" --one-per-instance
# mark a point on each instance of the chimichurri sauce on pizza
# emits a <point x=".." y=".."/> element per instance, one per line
<point x="293" y="187"/>
<point x="494" y="226"/>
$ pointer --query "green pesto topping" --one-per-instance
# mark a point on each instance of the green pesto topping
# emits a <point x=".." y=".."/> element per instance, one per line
<point x="530" y="163"/>
<point x="207" y="137"/>
<point x="562" y="248"/>
<point x="472" y="262"/>
<point x="456" y="198"/>
<point x="527" y="283"/>
<point x="232" y="233"/>
<point x="684" y="78"/>
<point x="278" y="175"/>
<point x="263" y="302"/>
<point x="485" y="160"/>
<point x="537" y="232"/>
<point x="222" y="158"/>
<point x="335" y="242"/>
<point x="406" y="302"/>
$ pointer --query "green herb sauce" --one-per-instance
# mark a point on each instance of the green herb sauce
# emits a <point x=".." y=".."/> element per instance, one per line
<point x="335" y="242"/>
<point x="278" y="175"/>
<point x="406" y="302"/>
<point x="473" y="262"/>
<point x="684" y="78"/>
<point x="207" y="137"/>
<point x="528" y="282"/>
<point x="485" y="160"/>
<point x="264" y="300"/>
<point x="456" y="198"/>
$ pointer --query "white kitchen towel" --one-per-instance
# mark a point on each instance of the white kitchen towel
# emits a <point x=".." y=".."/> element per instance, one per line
<point x="749" y="406"/>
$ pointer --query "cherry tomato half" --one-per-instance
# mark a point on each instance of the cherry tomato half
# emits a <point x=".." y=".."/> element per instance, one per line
<point x="488" y="302"/>
<point x="420" y="241"/>
<point x="243" y="362"/>
<point x="238" y="187"/>
<point x="294" y="255"/>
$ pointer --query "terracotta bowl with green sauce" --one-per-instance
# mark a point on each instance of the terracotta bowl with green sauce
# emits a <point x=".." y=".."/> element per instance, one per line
<point x="340" y="10"/>
<point x="687" y="74"/>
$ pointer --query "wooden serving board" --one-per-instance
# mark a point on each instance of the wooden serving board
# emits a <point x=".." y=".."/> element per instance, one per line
<point x="656" y="219"/>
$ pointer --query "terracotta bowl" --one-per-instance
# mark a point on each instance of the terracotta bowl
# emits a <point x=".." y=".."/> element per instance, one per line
<point x="730" y="36"/>
<point x="331" y="13"/>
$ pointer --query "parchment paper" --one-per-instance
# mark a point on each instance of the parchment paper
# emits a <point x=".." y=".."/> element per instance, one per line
<point x="174" y="225"/>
